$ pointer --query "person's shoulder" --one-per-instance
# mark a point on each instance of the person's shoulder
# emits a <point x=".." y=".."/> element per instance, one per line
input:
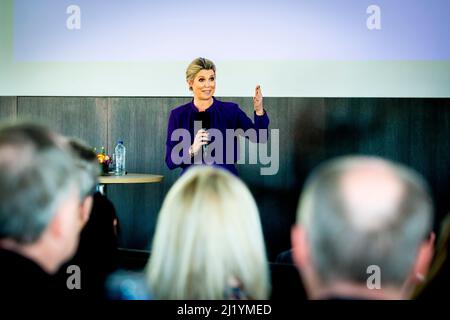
<point x="227" y="105"/>
<point x="181" y="109"/>
<point x="20" y="276"/>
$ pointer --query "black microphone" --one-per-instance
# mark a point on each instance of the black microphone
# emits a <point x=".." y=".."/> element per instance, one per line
<point x="205" y="119"/>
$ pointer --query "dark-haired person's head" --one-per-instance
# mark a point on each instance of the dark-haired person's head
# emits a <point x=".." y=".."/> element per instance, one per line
<point x="87" y="164"/>
<point x="363" y="229"/>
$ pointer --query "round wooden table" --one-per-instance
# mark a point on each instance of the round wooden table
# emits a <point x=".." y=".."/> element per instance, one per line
<point x="131" y="178"/>
<point x="128" y="178"/>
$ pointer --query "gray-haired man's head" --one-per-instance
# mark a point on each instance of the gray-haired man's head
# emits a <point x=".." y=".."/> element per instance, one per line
<point x="361" y="211"/>
<point x="36" y="173"/>
<point x="87" y="163"/>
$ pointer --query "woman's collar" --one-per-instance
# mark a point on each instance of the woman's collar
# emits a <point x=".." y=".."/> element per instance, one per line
<point x="207" y="109"/>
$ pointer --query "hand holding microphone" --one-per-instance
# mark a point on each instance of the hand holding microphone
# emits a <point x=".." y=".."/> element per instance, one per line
<point x="201" y="139"/>
<point x="204" y="120"/>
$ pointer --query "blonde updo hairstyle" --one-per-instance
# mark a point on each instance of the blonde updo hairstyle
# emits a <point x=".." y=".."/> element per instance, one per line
<point x="198" y="65"/>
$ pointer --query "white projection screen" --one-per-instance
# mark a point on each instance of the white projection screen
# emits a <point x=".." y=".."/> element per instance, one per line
<point x="293" y="48"/>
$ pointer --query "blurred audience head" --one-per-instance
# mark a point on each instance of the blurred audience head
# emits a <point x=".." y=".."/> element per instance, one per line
<point x="208" y="242"/>
<point x="39" y="195"/>
<point x="363" y="230"/>
<point x="89" y="170"/>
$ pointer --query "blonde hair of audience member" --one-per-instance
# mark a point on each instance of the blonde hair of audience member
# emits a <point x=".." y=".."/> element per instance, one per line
<point x="208" y="238"/>
<point x="357" y="212"/>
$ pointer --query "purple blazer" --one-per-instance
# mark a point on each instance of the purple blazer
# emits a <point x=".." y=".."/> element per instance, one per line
<point x="223" y="116"/>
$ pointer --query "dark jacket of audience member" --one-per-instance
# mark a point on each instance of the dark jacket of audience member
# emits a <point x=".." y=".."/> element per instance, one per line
<point x="96" y="255"/>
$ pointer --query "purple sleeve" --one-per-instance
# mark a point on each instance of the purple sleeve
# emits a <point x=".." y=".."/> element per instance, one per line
<point x="170" y="144"/>
<point x="261" y="122"/>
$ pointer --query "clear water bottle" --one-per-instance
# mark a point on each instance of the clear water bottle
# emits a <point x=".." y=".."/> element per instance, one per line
<point x="119" y="157"/>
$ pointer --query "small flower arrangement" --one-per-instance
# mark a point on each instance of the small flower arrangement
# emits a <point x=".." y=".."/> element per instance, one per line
<point x="104" y="160"/>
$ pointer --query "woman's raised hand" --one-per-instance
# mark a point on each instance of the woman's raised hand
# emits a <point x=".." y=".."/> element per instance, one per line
<point x="258" y="101"/>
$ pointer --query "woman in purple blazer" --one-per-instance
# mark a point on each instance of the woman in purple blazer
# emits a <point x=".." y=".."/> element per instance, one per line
<point x="206" y="130"/>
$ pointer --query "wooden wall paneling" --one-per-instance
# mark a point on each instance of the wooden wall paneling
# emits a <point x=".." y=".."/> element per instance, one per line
<point x="440" y="155"/>
<point x="372" y="117"/>
<point x="248" y="172"/>
<point x="8" y="108"/>
<point x="84" y="118"/>
<point x="283" y="114"/>
<point x="413" y="131"/>
<point x="428" y="147"/>
<point x="298" y="120"/>
<point x="142" y="124"/>
<point x="396" y="130"/>
<point x="277" y="195"/>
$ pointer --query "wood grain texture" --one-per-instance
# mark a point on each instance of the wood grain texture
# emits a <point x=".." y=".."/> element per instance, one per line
<point x="131" y="178"/>
<point x="8" y="108"/>
<point x="142" y="124"/>
<point x="311" y="130"/>
<point x="84" y="118"/>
